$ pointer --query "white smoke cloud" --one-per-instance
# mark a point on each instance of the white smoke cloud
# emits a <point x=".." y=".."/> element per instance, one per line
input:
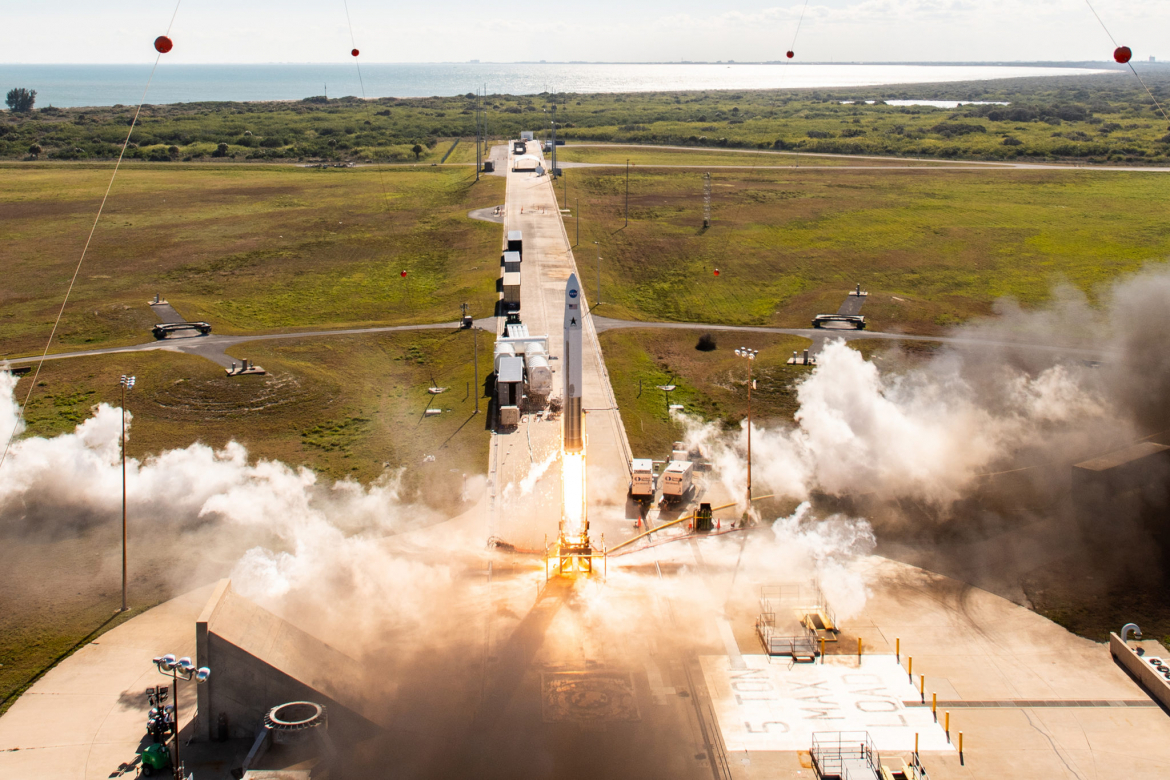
<point x="925" y="434"/>
<point x="288" y="534"/>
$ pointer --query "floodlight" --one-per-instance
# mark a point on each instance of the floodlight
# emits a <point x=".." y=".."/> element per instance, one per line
<point x="202" y="674"/>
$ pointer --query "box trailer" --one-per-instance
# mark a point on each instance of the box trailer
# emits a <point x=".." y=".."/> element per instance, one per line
<point x="516" y="242"/>
<point x="511" y="261"/>
<point x="642" y="479"/>
<point x="512" y="291"/>
<point x="677" y="481"/>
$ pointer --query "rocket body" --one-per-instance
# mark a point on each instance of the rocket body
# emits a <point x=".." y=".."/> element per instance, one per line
<point x="574" y="440"/>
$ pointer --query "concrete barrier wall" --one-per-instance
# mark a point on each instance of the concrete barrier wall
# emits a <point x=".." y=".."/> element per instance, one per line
<point x="1140" y="667"/>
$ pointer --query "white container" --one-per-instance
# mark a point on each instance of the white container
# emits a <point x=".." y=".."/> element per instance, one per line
<point x="538" y="374"/>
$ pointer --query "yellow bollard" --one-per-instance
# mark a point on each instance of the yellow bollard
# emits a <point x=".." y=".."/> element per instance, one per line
<point x="898" y="649"/>
<point x="947" y="727"/>
<point x="916" y="742"/>
<point x="910" y="668"/>
<point x="822" y="650"/>
<point x="922" y="688"/>
<point x="960" y="747"/>
<point x="859" y="651"/>
<point x="934" y="706"/>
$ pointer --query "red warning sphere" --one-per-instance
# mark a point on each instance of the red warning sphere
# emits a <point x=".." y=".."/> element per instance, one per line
<point x="716" y="271"/>
<point x="1122" y="54"/>
<point x="791" y="54"/>
<point x="355" y="52"/>
<point x="404" y="274"/>
<point x="163" y="44"/>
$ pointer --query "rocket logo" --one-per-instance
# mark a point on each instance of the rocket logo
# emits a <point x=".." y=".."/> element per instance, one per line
<point x="572" y="293"/>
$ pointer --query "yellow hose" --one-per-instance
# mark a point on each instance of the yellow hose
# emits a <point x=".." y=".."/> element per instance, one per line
<point x="676" y="522"/>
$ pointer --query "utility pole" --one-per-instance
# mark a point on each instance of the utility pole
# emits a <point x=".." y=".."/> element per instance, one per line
<point x="750" y="354"/>
<point x="126" y="382"/>
<point x="598" y="272"/>
<point x="707" y="199"/>
<point x="478" y="156"/>
<point x="627" y="193"/>
<point x="475" y="336"/>
<point x="577" y="205"/>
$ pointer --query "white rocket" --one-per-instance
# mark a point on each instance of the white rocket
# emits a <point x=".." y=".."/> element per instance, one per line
<point x="573" y="357"/>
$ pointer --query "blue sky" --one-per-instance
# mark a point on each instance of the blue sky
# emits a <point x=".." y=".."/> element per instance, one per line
<point x="77" y="31"/>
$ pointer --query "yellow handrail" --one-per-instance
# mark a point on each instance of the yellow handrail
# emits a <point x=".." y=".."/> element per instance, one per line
<point x="676" y="522"/>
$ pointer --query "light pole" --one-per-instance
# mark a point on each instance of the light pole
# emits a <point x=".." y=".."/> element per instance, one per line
<point x="126" y="383"/>
<point x="180" y="669"/>
<point x="596" y="244"/>
<point x="627" y="193"/>
<point x="750" y="354"/>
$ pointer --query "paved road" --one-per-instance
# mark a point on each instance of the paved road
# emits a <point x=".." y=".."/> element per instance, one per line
<point x="849" y="334"/>
<point x="213" y="347"/>
<point x="519" y="456"/>
<point x="942" y="163"/>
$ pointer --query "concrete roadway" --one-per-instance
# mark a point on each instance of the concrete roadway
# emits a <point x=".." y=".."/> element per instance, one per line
<point x="930" y="162"/>
<point x="525" y="480"/>
<point x="215" y="348"/>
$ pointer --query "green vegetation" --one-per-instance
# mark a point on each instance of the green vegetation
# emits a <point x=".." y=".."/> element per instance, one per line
<point x="344" y="406"/>
<point x="245" y="248"/>
<point x="933" y="248"/>
<point x="711" y="384"/>
<point x="1092" y="118"/>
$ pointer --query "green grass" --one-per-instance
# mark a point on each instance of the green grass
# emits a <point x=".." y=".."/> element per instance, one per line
<point x="245" y="248"/>
<point x="348" y="406"/>
<point x="711" y="385"/>
<point x="933" y="248"/>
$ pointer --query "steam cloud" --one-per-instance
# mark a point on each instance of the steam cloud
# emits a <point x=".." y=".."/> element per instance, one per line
<point x="930" y="432"/>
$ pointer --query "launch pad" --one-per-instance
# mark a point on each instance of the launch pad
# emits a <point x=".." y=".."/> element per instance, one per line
<point x="574" y="555"/>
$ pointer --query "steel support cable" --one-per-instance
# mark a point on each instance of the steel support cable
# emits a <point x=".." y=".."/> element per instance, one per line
<point x="85" y="249"/>
<point x="1128" y="62"/>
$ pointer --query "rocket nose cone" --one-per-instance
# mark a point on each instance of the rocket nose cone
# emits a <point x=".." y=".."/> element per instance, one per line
<point x="572" y="290"/>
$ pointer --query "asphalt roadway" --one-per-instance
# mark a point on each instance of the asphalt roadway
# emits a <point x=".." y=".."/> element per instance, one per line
<point x="214" y="347"/>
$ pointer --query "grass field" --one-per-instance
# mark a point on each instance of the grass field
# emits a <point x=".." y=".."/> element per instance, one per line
<point x="618" y="155"/>
<point x="933" y="248"/>
<point x="710" y="384"/>
<point x="348" y="406"/>
<point x="246" y="248"/>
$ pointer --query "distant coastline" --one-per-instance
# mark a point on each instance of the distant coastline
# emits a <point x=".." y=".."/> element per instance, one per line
<point x="71" y="86"/>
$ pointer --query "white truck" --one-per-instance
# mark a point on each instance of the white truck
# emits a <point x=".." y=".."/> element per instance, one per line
<point x="677" y="481"/>
<point x="642" y="479"/>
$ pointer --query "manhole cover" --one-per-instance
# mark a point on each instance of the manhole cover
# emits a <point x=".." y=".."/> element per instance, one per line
<point x="588" y="697"/>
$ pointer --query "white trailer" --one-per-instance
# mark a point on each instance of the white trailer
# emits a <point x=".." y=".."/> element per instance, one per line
<point x="642" y="479"/>
<point x="677" y="481"/>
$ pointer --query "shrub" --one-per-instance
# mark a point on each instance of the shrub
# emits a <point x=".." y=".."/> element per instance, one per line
<point x="951" y="129"/>
<point x="220" y="151"/>
<point x="35" y="149"/>
<point x="1009" y="141"/>
<point x="706" y="343"/>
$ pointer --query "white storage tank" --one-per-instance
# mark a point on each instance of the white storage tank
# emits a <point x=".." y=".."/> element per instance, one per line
<point x="503" y="349"/>
<point x="538" y="373"/>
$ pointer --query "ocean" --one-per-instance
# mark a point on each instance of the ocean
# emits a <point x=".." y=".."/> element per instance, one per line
<point x="106" y="85"/>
